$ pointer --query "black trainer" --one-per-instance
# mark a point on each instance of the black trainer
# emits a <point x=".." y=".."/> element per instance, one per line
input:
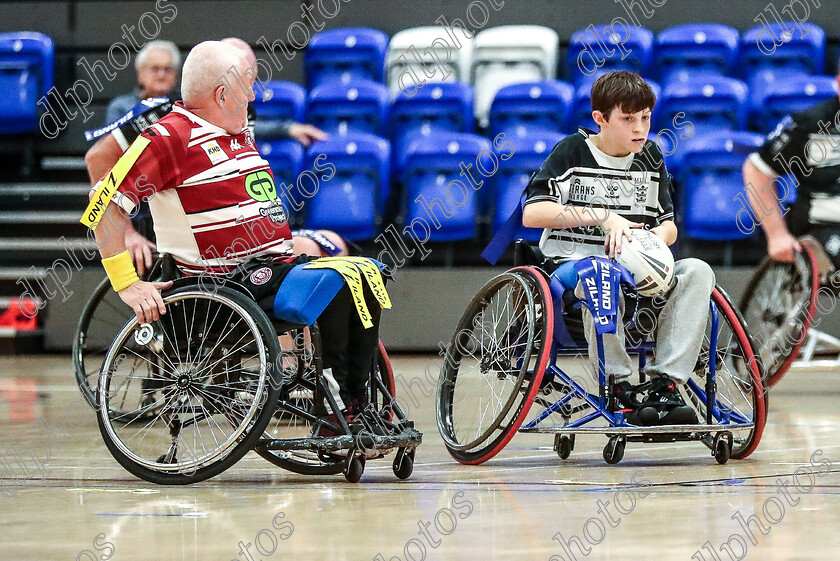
<point x="656" y="402"/>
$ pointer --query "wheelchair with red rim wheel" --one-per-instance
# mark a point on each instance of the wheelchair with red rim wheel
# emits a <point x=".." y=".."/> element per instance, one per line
<point x="507" y="369"/>
<point x="780" y="305"/>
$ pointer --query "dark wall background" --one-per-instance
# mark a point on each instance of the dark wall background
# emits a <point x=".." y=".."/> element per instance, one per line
<point x="88" y="28"/>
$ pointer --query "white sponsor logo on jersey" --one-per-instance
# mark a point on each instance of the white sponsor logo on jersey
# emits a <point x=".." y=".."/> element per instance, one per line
<point x="214" y="152"/>
<point x="234" y="145"/>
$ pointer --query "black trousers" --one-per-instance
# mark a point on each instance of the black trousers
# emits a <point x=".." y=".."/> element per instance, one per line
<point x="346" y="346"/>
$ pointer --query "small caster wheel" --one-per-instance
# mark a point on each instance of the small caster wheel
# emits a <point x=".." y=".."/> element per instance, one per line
<point x="723" y="448"/>
<point x="354" y="469"/>
<point x="403" y="465"/>
<point x="564" y="445"/>
<point x="614" y="450"/>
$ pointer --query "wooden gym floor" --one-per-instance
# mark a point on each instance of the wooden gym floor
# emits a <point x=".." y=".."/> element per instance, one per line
<point x="662" y="502"/>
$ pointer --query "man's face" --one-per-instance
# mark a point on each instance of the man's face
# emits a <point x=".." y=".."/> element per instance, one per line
<point x="626" y="132"/>
<point x="157" y="75"/>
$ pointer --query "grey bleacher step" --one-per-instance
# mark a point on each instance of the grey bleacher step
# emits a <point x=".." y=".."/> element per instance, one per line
<point x="40" y="216"/>
<point x="42" y="252"/>
<point x="40" y="223"/>
<point x="45" y="244"/>
<point x="9" y="277"/>
<point x="48" y="196"/>
<point x="63" y="163"/>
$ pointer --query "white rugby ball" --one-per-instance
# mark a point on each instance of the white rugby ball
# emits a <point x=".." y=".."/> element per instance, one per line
<point x="649" y="261"/>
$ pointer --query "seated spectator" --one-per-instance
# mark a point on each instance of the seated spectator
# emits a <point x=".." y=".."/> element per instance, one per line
<point x="157" y="64"/>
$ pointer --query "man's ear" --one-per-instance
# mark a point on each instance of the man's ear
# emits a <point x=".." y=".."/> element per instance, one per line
<point x="223" y="99"/>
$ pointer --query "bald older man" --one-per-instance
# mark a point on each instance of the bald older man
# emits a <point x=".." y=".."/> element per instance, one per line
<point x="210" y="194"/>
<point x="102" y="156"/>
<point x="302" y="132"/>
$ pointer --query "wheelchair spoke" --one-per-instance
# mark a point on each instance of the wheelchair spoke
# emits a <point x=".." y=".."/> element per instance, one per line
<point x="197" y="403"/>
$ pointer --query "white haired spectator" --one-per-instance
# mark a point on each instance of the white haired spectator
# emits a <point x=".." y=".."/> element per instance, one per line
<point x="157" y="64"/>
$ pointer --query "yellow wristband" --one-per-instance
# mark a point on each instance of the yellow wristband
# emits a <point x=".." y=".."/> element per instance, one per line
<point x="120" y="270"/>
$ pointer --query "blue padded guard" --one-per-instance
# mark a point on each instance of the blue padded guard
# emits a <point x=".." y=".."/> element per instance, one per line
<point x="304" y="294"/>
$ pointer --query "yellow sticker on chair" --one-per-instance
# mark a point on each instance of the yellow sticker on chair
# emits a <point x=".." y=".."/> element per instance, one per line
<point x="108" y="187"/>
<point x="349" y="267"/>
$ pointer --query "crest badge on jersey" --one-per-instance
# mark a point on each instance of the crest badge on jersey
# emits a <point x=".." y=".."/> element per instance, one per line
<point x="640" y="189"/>
<point x="214" y="152"/>
<point x="260" y="276"/>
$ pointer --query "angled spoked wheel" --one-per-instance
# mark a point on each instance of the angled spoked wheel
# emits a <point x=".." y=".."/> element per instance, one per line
<point x="740" y="394"/>
<point x="287" y="423"/>
<point x="494" y="364"/>
<point x="103" y="315"/>
<point x="779" y="305"/>
<point x="204" y="375"/>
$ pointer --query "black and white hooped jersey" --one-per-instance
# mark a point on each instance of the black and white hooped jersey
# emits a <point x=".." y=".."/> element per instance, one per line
<point x="807" y="145"/>
<point x="577" y="173"/>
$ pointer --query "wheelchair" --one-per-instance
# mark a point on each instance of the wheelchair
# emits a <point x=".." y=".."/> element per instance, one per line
<point x="780" y="304"/>
<point x="182" y="399"/>
<point x="507" y="355"/>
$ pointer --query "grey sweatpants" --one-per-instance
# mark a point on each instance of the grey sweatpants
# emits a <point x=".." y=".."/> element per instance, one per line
<point x="679" y="329"/>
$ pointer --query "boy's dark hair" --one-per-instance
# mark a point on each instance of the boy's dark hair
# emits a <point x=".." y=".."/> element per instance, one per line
<point x="626" y="90"/>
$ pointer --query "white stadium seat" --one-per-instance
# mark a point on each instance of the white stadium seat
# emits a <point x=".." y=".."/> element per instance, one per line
<point x="427" y="43"/>
<point x="510" y="54"/>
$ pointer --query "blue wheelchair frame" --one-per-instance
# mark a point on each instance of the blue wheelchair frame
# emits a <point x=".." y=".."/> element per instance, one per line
<point x="719" y="420"/>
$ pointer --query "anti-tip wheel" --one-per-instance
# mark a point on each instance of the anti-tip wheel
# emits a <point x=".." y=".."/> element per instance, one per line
<point x="614" y="450"/>
<point x="354" y="469"/>
<point x="564" y="445"/>
<point x="403" y="465"/>
<point x="723" y="449"/>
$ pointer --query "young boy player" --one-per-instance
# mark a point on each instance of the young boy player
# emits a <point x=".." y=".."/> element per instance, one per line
<point x="589" y="195"/>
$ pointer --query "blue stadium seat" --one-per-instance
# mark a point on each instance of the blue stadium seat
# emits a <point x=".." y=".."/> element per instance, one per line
<point x="686" y="51"/>
<point x="795" y="93"/>
<point x="712" y="188"/>
<point x="711" y="103"/>
<point x="635" y="44"/>
<point x="582" y="109"/>
<point x="523" y="109"/>
<point x="435" y="108"/>
<point x="26" y="75"/>
<point x="515" y="172"/>
<point x="440" y="202"/>
<point x="350" y="202"/>
<point x="280" y="101"/>
<point x="286" y="160"/>
<point x="346" y="54"/>
<point x="759" y="53"/>
<point x="358" y="107"/>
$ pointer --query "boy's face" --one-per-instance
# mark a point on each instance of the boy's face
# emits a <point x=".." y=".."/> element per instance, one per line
<point x="624" y="132"/>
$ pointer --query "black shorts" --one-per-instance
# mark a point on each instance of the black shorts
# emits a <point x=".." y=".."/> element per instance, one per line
<point x="263" y="279"/>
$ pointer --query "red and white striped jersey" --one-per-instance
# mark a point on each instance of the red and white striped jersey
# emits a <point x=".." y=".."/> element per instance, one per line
<point x="211" y="194"/>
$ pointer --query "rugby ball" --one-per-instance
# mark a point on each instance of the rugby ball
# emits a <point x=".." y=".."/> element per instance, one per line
<point x="649" y="261"/>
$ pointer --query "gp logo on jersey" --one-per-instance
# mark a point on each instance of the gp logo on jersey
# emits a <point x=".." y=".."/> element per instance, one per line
<point x="260" y="186"/>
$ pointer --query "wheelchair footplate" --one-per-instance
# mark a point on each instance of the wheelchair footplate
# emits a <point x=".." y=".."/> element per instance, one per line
<point x="353" y="450"/>
<point x="371" y="445"/>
